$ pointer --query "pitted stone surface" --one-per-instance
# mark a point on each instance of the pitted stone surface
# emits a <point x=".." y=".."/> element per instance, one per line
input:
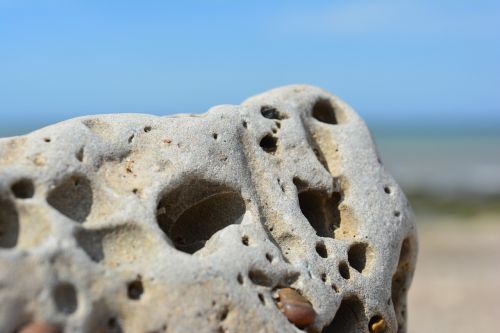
<point x="194" y="223"/>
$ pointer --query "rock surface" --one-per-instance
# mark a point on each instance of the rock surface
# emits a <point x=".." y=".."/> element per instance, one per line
<point x="195" y="223"/>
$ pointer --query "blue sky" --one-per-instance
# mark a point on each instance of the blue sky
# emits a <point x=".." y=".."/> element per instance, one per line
<point x="396" y="62"/>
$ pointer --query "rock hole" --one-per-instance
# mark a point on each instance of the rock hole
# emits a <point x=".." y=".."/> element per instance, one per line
<point x="223" y="313"/>
<point x="214" y="136"/>
<point x="321" y="211"/>
<point x="400" y="283"/>
<point x="301" y="185"/>
<point x="79" y="154"/>
<point x="282" y="186"/>
<point x="344" y="270"/>
<point x="9" y="224"/>
<point x="135" y="289"/>
<point x="147" y="129"/>
<point x="269" y="144"/>
<point x="335" y="288"/>
<point x="324" y="111"/>
<point x="260" y="278"/>
<point x="356" y="255"/>
<point x="271" y="112"/>
<point x="321" y="250"/>
<point x="190" y="214"/>
<point x="65" y="298"/>
<point x="291" y="278"/>
<point x="387" y="189"/>
<point x="72" y="198"/>
<point x="278" y="124"/>
<point x="23" y="189"/>
<point x="261" y="299"/>
<point x="396" y="213"/>
<point x="323" y="277"/>
<point x="114" y="326"/>
<point x="377" y="324"/>
<point x="131" y="138"/>
<point x="239" y="278"/>
<point x="245" y="124"/>
<point x="269" y="257"/>
<point x="103" y="245"/>
<point x="349" y="318"/>
<point x="46" y="139"/>
<point x="245" y="240"/>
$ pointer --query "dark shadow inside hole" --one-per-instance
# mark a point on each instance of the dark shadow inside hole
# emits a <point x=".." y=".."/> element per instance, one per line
<point x="79" y="154"/>
<point x="324" y="111"/>
<point x="65" y="298"/>
<point x="190" y="214"/>
<point x="344" y="270"/>
<point x="135" y="289"/>
<point x="356" y="255"/>
<point x="91" y="241"/>
<point x="23" y="189"/>
<point x="271" y="112"/>
<point x="114" y="326"/>
<point x="99" y="244"/>
<point x="269" y="144"/>
<point x="261" y="299"/>
<point x="400" y="282"/>
<point x="349" y="318"/>
<point x="9" y="224"/>
<point x="72" y="198"/>
<point x="321" y="211"/>
<point x="260" y="278"/>
<point x="321" y="250"/>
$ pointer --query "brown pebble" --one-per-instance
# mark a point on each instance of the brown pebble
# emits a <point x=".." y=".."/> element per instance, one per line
<point x="40" y="328"/>
<point x="378" y="326"/>
<point x="296" y="307"/>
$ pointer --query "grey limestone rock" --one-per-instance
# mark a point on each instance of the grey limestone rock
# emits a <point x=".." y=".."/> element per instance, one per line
<point x="194" y="223"/>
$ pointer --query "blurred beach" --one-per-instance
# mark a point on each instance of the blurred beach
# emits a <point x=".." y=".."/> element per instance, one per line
<point x="453" y="183"/>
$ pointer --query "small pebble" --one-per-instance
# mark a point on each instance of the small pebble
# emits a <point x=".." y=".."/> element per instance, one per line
<point x="378" y="326"/>
<point x="296" y="307"/>
<point x="40" y="328"/>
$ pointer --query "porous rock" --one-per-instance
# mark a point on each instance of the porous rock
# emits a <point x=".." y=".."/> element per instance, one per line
<point x="193" y="223"/>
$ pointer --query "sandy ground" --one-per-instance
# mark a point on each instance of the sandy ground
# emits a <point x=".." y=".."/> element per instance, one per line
<point x="456" y="287"/>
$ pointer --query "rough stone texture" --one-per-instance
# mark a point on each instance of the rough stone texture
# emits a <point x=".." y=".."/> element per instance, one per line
<point x="192" y="223"/>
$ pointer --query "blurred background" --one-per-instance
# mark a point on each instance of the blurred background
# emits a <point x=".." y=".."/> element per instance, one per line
<point x="425" y="75"/>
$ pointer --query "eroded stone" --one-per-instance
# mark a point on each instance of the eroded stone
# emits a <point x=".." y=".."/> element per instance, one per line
<point x="139" y="223"/>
